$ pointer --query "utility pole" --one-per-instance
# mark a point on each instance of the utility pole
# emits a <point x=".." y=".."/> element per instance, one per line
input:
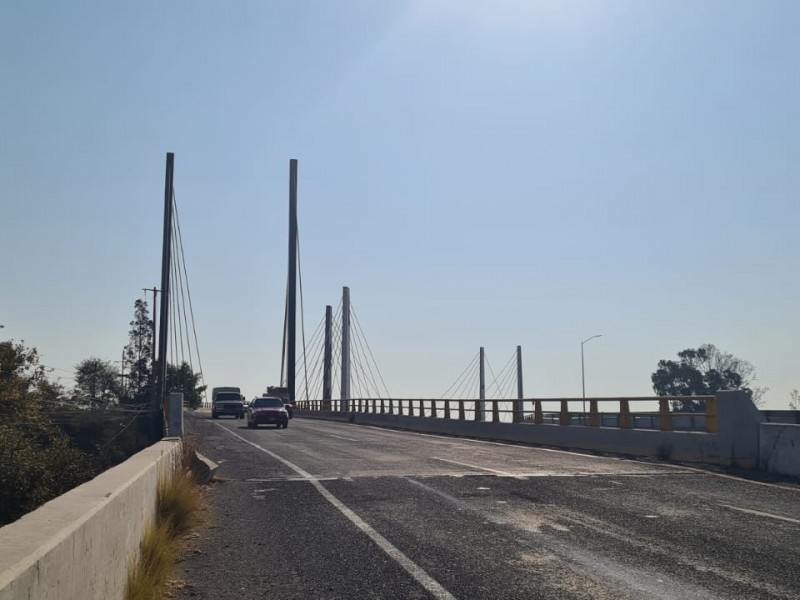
<point x="482" y="387"/>
<point x="326" y="372"/>
<point x="161" y="391"/>
<point x="519" y="373"/>
<point x="345" y="349"/>
<point x="292" y="289"/>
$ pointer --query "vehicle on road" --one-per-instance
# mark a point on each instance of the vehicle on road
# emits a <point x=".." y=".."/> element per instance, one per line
<point x="267" y="410"/>
<point x="274" y="391"/>
<point x="227" y="401"/>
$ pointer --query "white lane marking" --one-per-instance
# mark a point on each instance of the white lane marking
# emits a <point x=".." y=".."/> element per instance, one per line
<point x="412" y="568"/>
<point x="463" y="464"/>
<point x="341" y="437"/>
<point x="761" y="514"/>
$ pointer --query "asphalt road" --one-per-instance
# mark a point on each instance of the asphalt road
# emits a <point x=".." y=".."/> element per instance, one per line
<point x="334" y="510"/>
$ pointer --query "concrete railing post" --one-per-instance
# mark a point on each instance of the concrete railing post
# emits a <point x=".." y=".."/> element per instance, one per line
<point x="624" y="414"/>
<point x="594" y="414"/>
<point x="564" y="416"/>
<point x="495" y="411"/>
<point x="462" y="413"/>
<point x="433" y="409"/>
<point x="447" y="409"/>
<point x="739" y="428"/>
<point x="516" y="410"/>
<point x="175" y="415"/>
<point x="538" y="417"/>
<point x="665" y="417"/>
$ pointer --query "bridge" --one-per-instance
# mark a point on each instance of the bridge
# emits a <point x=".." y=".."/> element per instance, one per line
<point x="371" y="504"/>
<point x="371" y="496"/>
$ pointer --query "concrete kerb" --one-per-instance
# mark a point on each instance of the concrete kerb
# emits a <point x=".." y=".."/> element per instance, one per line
<point x="80" y="545"/>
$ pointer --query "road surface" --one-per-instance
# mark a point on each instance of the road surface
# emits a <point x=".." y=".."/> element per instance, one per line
<point x="335" y="510"/>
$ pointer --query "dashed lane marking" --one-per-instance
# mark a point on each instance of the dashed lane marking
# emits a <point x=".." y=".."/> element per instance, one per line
<point x="495" y="471"/>
<point x="761" y="514"/>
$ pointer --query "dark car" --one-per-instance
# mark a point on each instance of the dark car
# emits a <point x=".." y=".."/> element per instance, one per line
<point x="267" y="410"/>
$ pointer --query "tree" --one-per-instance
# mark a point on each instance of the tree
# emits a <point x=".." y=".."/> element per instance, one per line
<point x="37" y="461"/>
<point x="704" y="371"/>
<point x="181" y="379"/>
<point x="96" y="383"/>
<point x="138" y="354"/>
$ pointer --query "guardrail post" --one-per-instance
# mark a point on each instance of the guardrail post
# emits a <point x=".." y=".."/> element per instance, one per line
<point x="624" y="414"/>
<point x="447" y="409"/>
<point x="383" y="406"/>
<point x="594" y="414"/>
<point x="665" y="418"/>
<point x="495" y="411"/>
<point x="712" y="424"/>
<point x="410" y="408"/>
<point x="538" y="417"/>
<point x="400" y="407"/>
<point x="391" y="406"/>
<point x="564" y="416"/>
<point x="477" y="410"/>
<point x="461" y="412"/>
<point x="516" y="411"/>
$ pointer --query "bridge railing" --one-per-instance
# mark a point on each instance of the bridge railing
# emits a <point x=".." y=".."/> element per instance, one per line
<point x="653" y="412"/>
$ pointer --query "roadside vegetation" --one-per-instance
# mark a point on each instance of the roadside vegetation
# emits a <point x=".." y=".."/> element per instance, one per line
<point x="178" y="502"/>
<point x="53" y="437"/>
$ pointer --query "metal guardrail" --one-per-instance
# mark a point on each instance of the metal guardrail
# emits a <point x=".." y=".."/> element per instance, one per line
<point x="537" y="411"/>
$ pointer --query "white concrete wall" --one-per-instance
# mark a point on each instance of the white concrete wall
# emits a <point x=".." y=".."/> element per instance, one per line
<point x="780" y="449"/>
<point x="79" y="546"/>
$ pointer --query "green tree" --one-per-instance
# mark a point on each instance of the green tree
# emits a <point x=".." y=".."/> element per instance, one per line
<point x="97" y="383"/>
<point x="182" y="379"/>
<point x="138" y="354"/>
<point x="704" y="371"/>
<point x="37" y="461"/>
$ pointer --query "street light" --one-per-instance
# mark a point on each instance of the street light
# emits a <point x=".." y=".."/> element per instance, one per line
<point x="583" y="376"/>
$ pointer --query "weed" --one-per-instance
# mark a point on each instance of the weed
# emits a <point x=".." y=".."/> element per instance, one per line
<point x="178" y="502"/>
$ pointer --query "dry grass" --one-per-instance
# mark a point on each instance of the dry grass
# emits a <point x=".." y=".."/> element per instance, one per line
<point x="178" y="504"/>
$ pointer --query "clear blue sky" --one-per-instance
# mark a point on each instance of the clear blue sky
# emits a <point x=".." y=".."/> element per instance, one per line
<point x="527" y="172"/>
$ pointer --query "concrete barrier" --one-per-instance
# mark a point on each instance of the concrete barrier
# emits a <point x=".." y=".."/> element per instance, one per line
<point x="735" y="444"/>
<point x="780" y="449"/>
<point x="79" y="546"/>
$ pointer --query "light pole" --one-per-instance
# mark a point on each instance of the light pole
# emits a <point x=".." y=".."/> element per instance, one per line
<point x="583" y="375"/>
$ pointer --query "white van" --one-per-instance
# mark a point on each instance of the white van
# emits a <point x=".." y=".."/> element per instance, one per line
<point x="227" y="401"/>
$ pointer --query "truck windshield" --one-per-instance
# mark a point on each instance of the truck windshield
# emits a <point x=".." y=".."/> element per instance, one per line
<point x="228" y="397"/>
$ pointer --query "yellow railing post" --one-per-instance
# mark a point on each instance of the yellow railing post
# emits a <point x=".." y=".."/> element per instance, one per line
<point x="564" y="416"/>
<point x="594" y="414"/>
<point x="712" y="424"/>
<point x="624" y="414"/>
<point x="538" y="417"/>
<point x="665" y="418"/>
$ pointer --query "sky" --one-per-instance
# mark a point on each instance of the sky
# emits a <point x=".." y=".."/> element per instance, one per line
<point x="479" y="173"/>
